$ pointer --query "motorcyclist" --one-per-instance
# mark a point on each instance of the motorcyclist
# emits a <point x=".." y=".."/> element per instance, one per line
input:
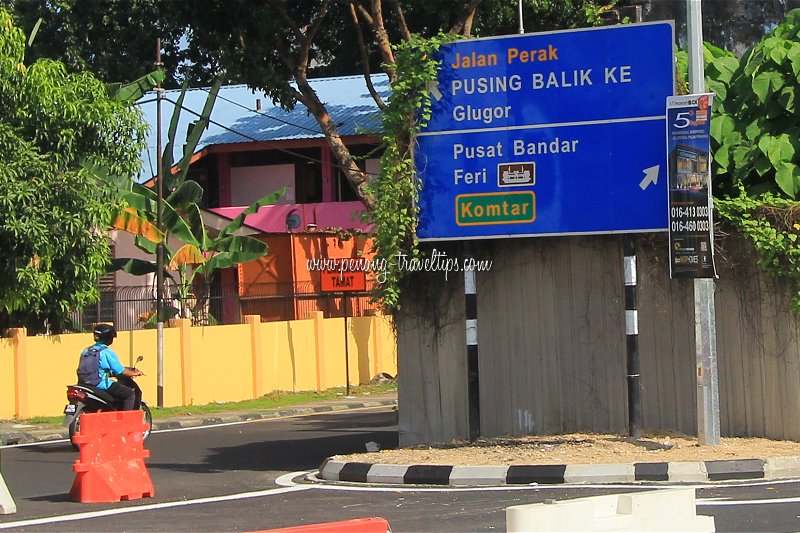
<point x="99" y="362"/>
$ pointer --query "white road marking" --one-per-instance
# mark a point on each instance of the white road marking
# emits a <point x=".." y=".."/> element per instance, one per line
<point x="286" y="479"/>
<point x="151" y="507"/>
<point x="770" y="501"/>
<point x="28" y="444"/>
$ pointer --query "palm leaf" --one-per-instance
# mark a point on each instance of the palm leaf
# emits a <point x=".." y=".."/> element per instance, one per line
<point x="128" y="219"/>
<point x="195" y="220"/>
<point x="131" y="265"/>
<point x="188" y="254"/>
<point x="146" y="246"/>
<point x="234" y="250"/>
<point x="102" y="173"/>
<point x="185" y="195"/>
<point x="166" y="158"/>
<point x="196" y="131"/>
<point x="237" y="222"/>
<point x="130" y="92"/>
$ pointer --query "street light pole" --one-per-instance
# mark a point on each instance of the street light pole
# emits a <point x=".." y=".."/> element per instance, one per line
<point x="160" y="245"/>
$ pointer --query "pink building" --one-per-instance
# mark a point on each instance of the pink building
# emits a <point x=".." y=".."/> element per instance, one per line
<point x="253" y="148"/>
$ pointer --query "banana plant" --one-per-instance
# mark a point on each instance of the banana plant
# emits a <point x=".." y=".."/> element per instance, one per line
<point x="197" y="254"/>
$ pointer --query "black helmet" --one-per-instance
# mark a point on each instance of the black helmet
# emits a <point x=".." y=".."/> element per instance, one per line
<point x="104" y="333"/>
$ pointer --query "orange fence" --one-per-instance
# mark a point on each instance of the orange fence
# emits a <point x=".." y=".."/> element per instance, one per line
<point x="204" y="364"/>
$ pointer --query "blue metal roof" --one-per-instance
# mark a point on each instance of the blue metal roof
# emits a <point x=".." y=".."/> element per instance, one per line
<point x="234" y="118"/>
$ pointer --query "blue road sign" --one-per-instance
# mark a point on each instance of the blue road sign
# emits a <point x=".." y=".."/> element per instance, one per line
<point x="547" y="134"/>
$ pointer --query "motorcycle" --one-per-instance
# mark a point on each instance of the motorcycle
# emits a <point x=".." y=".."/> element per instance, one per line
<point x="87" y="399"/>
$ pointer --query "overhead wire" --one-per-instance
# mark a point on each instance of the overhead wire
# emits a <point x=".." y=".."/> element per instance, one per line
<point x="254" y="139"/>
<point x="239" y="104"/>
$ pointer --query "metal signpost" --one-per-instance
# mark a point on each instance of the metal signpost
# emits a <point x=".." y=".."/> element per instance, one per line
<point x="344" y="283"/>
<point x="708" y="423"/>
<point x="548" y="134"/>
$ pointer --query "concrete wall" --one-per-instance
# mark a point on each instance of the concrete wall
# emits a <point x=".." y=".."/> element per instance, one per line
<point x="552" y="352"/>
<point x="249" y="184"/>
<point x="7" y="373"/>
<point x="203" y="364"/>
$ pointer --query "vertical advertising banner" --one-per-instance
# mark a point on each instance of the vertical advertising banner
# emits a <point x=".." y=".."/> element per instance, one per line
<point x="691" y="230"/>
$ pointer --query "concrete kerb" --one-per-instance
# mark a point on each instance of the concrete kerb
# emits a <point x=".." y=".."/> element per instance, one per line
<point x="335" y="470"/>
<point x="10" y="436"/>
<point x="782" y="467"/>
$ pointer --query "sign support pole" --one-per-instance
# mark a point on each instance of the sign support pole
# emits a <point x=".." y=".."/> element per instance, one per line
<point x="343" y="283"/>
<point x="632" y="340"/>
<point x="473" y="369"/>
<point x="634" y="375"/>
<point x="346" y="349"/>
<point x="708" y="425"/>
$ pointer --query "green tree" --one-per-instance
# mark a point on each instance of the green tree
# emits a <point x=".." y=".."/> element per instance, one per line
<point x="52" y="212"/>
<point x="277" y="45"/>
<point x="114" y="39"/>
<point x="754" y="132"/>
<point x="756" y="124"/>
<point x="273" y="45"/>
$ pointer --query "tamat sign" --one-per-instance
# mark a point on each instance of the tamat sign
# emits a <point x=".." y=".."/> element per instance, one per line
<point x="339" y="281"/>
<point x="548" y="134"/>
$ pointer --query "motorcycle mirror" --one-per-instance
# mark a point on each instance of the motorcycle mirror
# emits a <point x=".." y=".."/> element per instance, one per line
<point x="140" y="358"/>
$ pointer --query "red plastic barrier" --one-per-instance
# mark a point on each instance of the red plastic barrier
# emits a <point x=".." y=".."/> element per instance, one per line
<point x="111" y="464"/>
<point x="360" y="525"/>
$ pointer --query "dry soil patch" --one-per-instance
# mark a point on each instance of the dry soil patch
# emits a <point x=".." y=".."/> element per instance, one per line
<point x="578" y="448"/>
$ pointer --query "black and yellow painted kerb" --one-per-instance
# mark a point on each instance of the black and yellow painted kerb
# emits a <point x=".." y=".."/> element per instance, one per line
<point x="478" y="209"/>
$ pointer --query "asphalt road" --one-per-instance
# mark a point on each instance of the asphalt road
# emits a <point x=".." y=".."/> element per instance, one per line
<point x="238" y="478"/>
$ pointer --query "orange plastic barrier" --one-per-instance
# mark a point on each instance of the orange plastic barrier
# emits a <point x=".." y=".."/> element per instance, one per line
<point x="111" y="464"/>
<point x="359" y="525"/>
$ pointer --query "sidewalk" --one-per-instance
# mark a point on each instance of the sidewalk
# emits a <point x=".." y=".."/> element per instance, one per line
<point x="12" y="433"/>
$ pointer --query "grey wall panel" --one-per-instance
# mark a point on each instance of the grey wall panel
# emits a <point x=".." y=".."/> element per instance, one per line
<point x="551" y="333"/>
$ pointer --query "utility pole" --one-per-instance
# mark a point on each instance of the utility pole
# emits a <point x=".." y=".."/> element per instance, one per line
<point x="705" y="333"/>
<point x="160" y="245"/>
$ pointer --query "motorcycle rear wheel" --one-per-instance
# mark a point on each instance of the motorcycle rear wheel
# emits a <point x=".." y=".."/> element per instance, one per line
<point x="148" y="420"/>
<point x="75" y="425"/>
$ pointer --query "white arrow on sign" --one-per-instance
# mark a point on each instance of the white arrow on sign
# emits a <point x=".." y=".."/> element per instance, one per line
<point x="433" y="88"/>
<point x="650" y="176"/>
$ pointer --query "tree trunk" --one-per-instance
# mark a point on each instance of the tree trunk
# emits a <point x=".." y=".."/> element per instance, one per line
<point x="357" y="178"/>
